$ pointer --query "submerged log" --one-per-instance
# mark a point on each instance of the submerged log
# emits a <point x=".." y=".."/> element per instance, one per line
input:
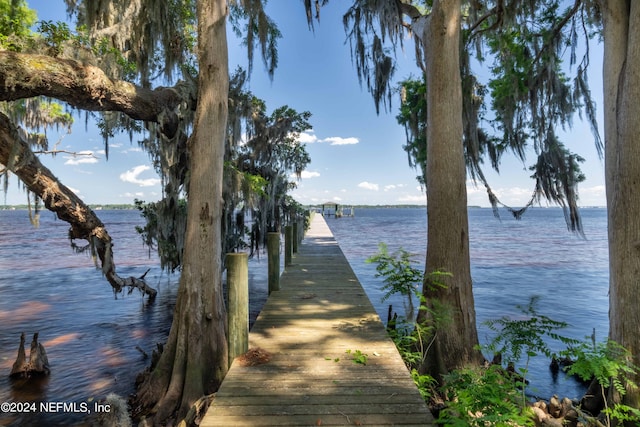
<point x="38" y="363"/>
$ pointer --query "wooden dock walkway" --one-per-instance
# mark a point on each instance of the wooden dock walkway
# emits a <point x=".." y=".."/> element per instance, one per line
<point x="315" y="330"/>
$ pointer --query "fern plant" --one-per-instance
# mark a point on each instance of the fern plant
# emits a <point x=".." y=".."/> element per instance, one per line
<point x="400" y="275"/>
<point x="525" y="338"/>
<point x="411" y="339"/>
<point x="610" y="364"/>
<point x="480" y="397"/>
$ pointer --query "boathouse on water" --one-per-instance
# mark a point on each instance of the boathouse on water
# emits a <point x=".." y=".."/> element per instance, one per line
<point x="336" y="210"/>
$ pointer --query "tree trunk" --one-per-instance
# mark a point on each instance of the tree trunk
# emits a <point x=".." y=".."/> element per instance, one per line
<point x="452" y="310"/>
<point x="622" y="170"/>
<point x="18" y="157"/>
<point x="194" y="361"/>
<point x="24" y="75"/>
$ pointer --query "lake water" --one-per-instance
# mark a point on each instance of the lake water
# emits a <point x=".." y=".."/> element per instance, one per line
<point x="511" y="261"/>
<point x="93" y="340"/>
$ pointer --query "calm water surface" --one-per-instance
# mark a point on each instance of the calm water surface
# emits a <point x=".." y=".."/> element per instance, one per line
<point x="93" y="340"/>
<point x="511" y="261"/>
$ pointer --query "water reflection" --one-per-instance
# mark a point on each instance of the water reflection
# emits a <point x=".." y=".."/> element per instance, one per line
<point x="96" y="344"/>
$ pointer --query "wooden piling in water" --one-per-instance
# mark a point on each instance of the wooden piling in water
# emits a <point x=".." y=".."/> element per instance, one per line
<point x="296" y="235"/>
<point x="273" y="266"/>
<point x="238" y="304"/>
<point x="301" y="370"/>
<point x="288" y="244"/>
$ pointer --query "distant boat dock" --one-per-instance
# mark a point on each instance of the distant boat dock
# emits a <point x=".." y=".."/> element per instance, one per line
<point x="321" y="355"/>
<point x="336" y="210"/>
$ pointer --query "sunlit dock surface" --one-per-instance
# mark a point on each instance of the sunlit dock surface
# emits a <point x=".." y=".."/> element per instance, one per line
<point x="328" y="358"/>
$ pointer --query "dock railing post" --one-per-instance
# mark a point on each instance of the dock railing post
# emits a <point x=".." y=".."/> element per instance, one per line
<point x="238" y="304"/>
<point x="295" y="235"/>
<point x="273" y="255"/>
<point x="301" y="229"/>
<point x="288" y="244"/>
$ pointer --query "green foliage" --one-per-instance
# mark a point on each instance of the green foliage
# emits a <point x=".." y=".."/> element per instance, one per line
<point x="426" y="384"/>
<point x="611" y="365"/>
<point x="250" y="23"/>
<point x="482" y="397"/>
<point x="358" y="357"/>
<point x="16" y="19"/>
<point x="163" y="234"/>
<point x="607" y="362"/>
<point x="56" y="113"/>
<point x="400" y="276"/>
<point x="411" y="338"/>
<point x="527" y="337"/>
<point x="104" y="50"/>
<point x="413" y="116"/>
<point x="623" y="413"/>
<point x="266" y="147"/>
<point x="55" y="34"/>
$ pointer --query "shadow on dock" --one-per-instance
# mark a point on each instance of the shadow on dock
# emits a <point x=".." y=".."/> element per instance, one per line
<point x="325" y="359"/>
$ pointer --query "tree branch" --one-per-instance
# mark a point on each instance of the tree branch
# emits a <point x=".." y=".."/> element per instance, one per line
<point x="557" y="29"/>
<point x="87" y="87"/>
<point x="18" y="157"/>
<point x="408" y="9"/>
<point x="497" y="11"/>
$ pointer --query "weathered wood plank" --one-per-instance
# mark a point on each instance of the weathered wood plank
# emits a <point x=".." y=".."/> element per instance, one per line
<point x="313" y="329"/>
<point x="324" y="420"/>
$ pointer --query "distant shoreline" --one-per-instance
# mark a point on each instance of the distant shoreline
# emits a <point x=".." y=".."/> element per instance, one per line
<point x="389" y="206"/>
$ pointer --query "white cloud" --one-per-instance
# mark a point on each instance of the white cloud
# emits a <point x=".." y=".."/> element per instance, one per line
<point x="309" y="174"/>
<point x="369" y="186"/>
<point x="337" y="199"/>
<point x="307" y="138"/>
<point x="137" y="194"/>
<point x="82" y="158"/>
<point x="132" y="150"/>
<point x="338" y="140"/>
<point x="310" y="138"/>
<point x="592" y="196"/>
<point x="132" y="177"/>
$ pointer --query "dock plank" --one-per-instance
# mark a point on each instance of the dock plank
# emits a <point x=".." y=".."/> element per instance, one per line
<point x="312" y="329"/>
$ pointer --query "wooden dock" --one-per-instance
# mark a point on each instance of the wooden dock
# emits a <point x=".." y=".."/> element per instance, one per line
<point x="330" y="361"/>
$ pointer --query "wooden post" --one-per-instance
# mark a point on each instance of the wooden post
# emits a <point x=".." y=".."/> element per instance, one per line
<point x="300" y="229"/>
<point x="273" y="256"/>
<point x="288" y="244"/>
<point x="238" y="304"/>
<point x="295" y="233"/>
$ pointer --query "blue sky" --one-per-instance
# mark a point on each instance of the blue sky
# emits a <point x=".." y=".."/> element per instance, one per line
<point x="356" y="155"/>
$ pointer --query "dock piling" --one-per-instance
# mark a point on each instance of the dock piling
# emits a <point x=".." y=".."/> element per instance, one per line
<point x="288" y="244"/>
<point x="238" y="304"/>
<point x="273" y="266"/>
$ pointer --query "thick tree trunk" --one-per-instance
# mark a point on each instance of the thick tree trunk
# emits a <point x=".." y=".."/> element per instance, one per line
<point x="18" y="157"/>
<point x="452" y="308"/>
<point x="622" y="170"/>
<point x="24" y="75"/>
<point x="194" y="361"/>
